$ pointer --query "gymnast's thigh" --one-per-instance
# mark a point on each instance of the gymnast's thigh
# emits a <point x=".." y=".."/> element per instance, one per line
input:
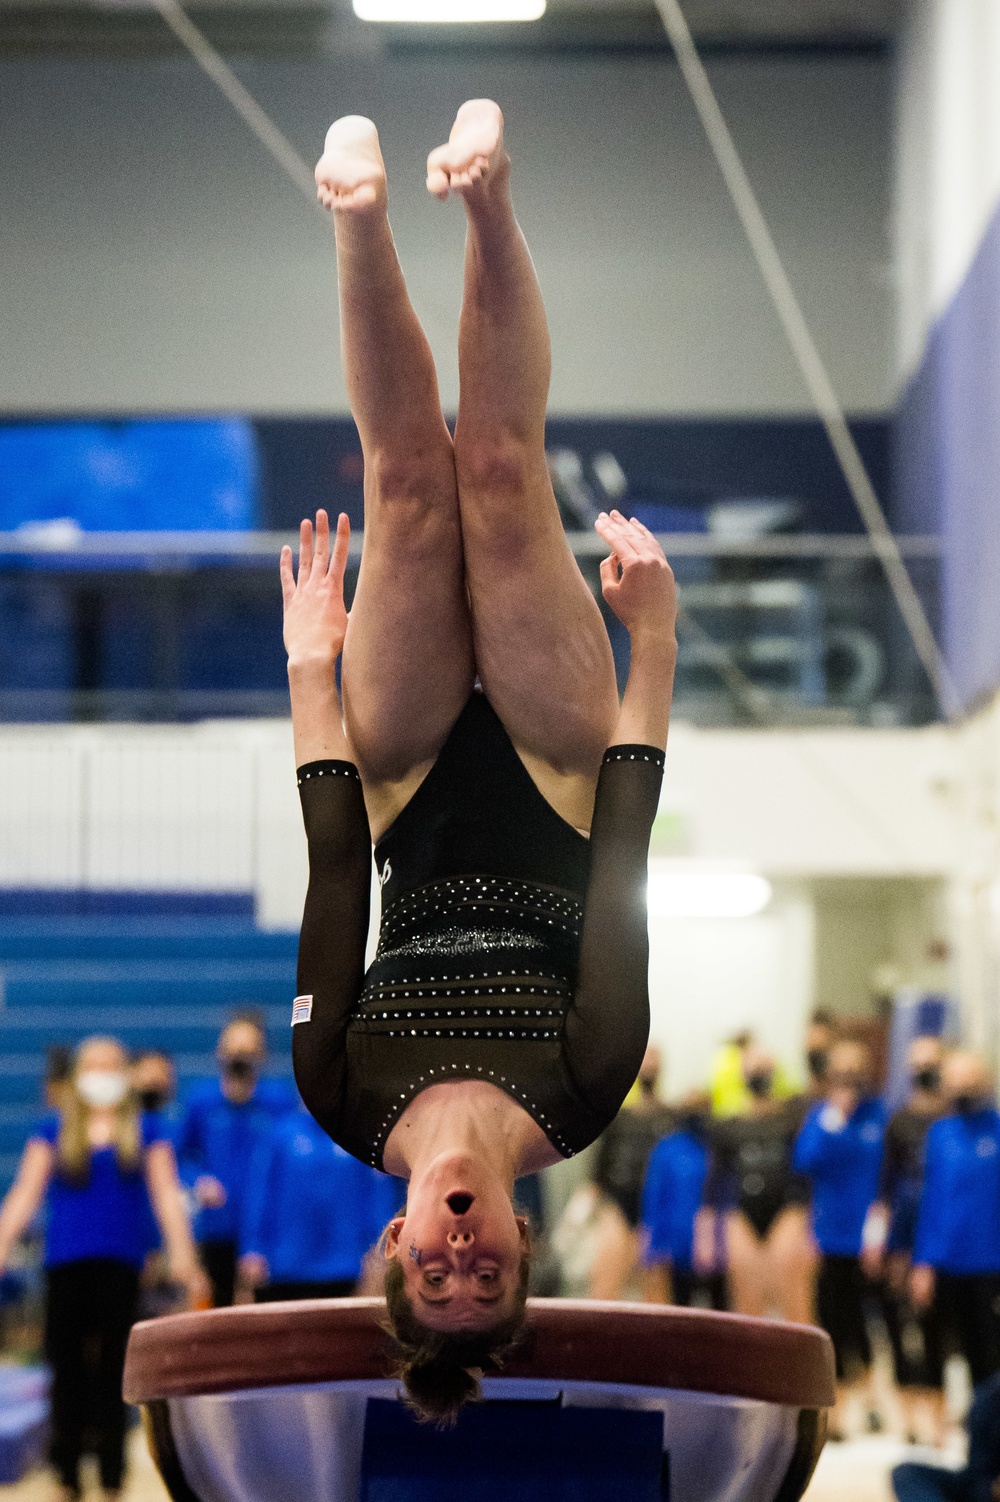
<point x="408" y="664"/>
<point x="542" y="649"/>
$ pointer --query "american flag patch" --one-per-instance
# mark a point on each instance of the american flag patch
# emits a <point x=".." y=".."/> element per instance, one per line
<point x="302" y="1009"/>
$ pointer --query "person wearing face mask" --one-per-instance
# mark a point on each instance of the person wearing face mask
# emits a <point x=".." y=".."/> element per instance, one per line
<point x="154" y="1081"/>
<point x="671" y="1198"/>
<point x="839" y="1150"/>
<point x="98" y="1164"/>
<point x="956" y="1251"/>
<point x="887" y="1254"/>
<point x="223" y="1123"/>
<point x="756" y="1204"/>
<point x="820" y="1037"/>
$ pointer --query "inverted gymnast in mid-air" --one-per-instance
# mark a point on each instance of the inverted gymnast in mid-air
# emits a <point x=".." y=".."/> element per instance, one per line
<point x="482" y="745"/>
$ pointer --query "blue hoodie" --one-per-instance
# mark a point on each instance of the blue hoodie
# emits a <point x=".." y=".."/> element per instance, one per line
<point x="309" y="1208"/>
<point x="843" y="1164"/>
<point x="218" y="1137"/>
<point x="958" y="1229"/>
<point x="671" y="1198"/>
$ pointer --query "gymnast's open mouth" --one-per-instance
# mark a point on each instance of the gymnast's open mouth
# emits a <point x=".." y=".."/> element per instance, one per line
<point x="459" y="1203"/>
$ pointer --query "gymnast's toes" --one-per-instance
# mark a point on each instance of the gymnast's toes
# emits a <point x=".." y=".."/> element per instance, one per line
<point x="350" y="175"/>
<point x="474" y="154"/>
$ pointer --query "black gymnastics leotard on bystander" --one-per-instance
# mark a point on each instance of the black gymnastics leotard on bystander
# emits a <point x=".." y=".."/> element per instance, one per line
<point x="511" y="948"/>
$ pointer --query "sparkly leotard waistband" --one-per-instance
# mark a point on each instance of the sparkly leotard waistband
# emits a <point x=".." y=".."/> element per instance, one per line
<point x="474" y="956"/>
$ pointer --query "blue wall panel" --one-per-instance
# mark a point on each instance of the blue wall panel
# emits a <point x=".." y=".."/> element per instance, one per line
<point x="948" y="467"/>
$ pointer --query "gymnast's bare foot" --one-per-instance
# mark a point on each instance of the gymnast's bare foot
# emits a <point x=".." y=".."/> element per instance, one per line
<point x="350" y="175"/>
<point x="474" y="159"/>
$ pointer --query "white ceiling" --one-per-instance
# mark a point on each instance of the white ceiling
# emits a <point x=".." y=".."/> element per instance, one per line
<point x="110" y="26"/>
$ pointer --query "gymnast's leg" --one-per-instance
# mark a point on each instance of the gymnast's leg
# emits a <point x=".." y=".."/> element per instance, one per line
<point x="541" y="647"/>
<point x="407" y="664"/>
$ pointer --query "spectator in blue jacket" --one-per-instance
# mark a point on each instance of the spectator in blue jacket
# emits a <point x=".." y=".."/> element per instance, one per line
<point x="311" y="1214"/>
<point x="224" y="1122"/>
<point x="839" y="1149"/>
<point x="671" y="1199"/>
<point x="957" y="1247"/>
<point x="979" y="1481"/>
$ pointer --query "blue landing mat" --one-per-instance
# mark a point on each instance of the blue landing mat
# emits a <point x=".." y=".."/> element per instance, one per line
<point x="514" y="1452"/>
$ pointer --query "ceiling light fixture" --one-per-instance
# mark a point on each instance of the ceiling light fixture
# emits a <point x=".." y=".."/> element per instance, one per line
<point x="706" y="894"/>
<point x="455" y="12"/>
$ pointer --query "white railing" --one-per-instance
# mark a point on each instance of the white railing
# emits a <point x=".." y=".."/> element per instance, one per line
<point x="209" y="807"/>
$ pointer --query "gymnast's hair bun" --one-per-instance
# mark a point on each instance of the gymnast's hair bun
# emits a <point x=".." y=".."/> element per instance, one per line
<point x="437" y="1390"/>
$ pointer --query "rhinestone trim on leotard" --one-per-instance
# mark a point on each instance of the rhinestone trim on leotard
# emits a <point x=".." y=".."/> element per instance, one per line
<point x="311" y="769"/>
<point x="473" y="1071"/>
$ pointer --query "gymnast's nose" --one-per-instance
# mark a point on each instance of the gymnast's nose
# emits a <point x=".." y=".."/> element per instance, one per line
<point x="460" y="1241"/>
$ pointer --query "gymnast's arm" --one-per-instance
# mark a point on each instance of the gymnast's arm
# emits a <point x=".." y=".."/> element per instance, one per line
<point x="607" y="1027"/>
<point x="335" y="919"/>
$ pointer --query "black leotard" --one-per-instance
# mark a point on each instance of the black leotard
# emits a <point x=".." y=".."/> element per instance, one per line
<point x="751" y="1166"/>
<point x="902" y="1177"/>
<point x="511" y="949"/>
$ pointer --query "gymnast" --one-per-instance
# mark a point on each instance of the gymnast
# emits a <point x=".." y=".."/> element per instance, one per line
<point x="482" y="746"/>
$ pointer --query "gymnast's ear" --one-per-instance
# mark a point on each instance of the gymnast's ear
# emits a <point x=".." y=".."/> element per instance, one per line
<point x="392" y="1233"/>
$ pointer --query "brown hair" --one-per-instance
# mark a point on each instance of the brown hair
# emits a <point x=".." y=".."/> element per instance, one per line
<point x="440" y="1371"/>
<point x="73" y="1146"/>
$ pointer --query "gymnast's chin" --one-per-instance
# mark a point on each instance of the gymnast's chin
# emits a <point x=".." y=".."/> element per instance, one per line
<point x="456" y="1282"/>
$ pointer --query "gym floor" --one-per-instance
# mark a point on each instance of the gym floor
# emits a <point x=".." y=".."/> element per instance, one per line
<point x="858" y="1470"/>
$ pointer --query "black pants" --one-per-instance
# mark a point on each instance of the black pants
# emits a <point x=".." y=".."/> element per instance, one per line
<point x="699" y="1290"/>
<point x="273" y="1293"/>
<point x="219" y="1261"/>
<point x="89" y="1311"/>
<point x="841" y="1290"/>
<point x="915" y="1338"/>
<point x="970" y="1312"/>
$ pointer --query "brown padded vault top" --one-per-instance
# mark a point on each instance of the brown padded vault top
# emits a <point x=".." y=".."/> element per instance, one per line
<point x="331" y="1340"/>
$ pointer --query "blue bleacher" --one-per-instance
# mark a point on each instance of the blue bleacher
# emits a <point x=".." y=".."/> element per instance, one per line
<point x="155" y="970"/>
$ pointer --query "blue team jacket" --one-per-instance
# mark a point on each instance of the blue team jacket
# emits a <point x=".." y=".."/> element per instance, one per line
<point x="311" y="1209"/>
<point x="219" y="1138"/>
<point x="958" y="1229"/>
<point x="843" y="1165"/>
<point x="671" y="1197"/>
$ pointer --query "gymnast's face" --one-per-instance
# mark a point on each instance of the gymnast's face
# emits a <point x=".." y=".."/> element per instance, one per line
<point x="460" y="1247"/>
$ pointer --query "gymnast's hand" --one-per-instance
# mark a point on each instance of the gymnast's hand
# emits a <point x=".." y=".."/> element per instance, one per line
<point x="636" y="580"/>
<point x="315" y="615"/>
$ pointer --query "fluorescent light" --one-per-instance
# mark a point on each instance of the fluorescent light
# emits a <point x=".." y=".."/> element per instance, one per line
<point x="706" y="894"/>
<point x="457" y="12"/>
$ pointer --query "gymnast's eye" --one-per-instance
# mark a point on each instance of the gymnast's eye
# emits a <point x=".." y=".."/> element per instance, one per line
<point x="435" y="1279"/>
<point x="487" y="1276"/>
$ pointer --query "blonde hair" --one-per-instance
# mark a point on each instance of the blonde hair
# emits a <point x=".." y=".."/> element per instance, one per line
<point x="73" y="1147"/>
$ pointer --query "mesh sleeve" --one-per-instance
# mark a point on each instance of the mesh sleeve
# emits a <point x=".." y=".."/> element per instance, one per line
<point x="334" y="931"/>
<point x="607" y="1027"/>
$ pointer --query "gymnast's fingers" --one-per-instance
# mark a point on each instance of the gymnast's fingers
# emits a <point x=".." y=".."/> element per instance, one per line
<point x="321" y="556"/>
<point x="619" y="535"/>
<point x="609" y="573"/>
<point x="287" y="576"/>
<point x="338" y="553"/>
<point x="305" y="550"/>
<point x="652" y="544"/>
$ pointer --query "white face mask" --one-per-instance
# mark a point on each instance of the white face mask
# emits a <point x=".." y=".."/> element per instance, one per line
<point x="102" y="1087"/>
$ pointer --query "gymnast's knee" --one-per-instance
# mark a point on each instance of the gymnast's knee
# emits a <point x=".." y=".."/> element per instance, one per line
<point x="498" y="464"/>
<point x="411" y="472"/>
